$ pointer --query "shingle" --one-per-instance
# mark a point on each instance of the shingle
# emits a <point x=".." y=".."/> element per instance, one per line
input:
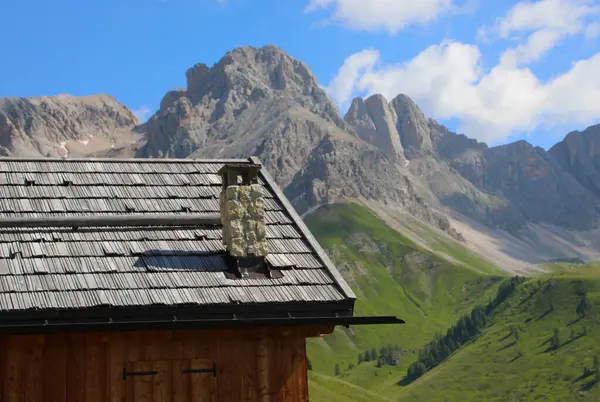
<point x="6" y="302"/>
<point x="41" y="266"/>
<point x="273" y="205"/>
<point x="236" y="295"/>
<point x="279" y="260"/>
<point x="112" y="249"/>
<point x="187" y="296"/>
<point x="15" y="283"/>
<point x="25" y="205"/>
<point x="6" y="283"/>
<point x="34" y="283"/>
<point x="4" y="268"/>
<point x="282" y="232"/>
<point x="276" y="217"/>
<point x="5" y="250"/>
<point x="19" y="301"/>
<point x="287" y="246"/>
<point x="288" y="293"/>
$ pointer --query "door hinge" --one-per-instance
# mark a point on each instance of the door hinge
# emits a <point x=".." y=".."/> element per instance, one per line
<point x="136" y="373"/>
<point x="212" y="370"/>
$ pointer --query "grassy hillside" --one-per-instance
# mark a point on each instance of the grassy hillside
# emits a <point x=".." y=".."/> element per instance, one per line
<point x="391" y="276"/>
<point x="515" y="359"/>
<point x="535" y="345"/>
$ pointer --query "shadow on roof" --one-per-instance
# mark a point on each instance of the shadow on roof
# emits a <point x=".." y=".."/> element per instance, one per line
<point x="176" y="260"/>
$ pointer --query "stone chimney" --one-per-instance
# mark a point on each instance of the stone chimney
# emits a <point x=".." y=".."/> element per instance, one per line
<point x="243" y="219"/>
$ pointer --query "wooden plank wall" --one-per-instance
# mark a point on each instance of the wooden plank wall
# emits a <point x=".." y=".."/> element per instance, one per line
<point x="252" y="365"/>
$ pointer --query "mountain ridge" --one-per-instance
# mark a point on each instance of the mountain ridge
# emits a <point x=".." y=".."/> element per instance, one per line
<point x="262" y="102"/>
<point x="64" y="125"/>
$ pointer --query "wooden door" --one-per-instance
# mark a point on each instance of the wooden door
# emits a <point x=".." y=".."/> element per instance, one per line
<point x="170" y="381"/>
<point x="193" y="380"/>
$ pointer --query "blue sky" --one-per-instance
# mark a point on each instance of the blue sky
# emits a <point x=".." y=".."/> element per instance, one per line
<point x="497" y="71"/>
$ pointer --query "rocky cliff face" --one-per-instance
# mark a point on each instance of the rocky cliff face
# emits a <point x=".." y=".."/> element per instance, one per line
<point x="425" y="143"/>
<point x="579" y="154"/>
<point x="63" y="125"/>
<point x="535" y="186"/>
<point x="399" y="127"/>
<point x="343" y="167"/>
<point x="374" y="121"/>
<point x="503" y="187"/>
<point x="414" y="128"/>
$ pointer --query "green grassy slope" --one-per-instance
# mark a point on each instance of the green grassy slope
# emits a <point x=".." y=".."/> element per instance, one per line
<point x="324" y="388"/>
<point x="500" y="366"/>
<point x="391" y="276"/>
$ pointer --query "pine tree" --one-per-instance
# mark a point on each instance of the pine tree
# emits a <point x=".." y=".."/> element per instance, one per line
<point x="580" y="290"/>
<point x="308" y="364"/>
<point x="415" y="370"/>
<point x="360" y="358"/>
<point x="586" y="371"/>
<point x="582" y="307"/>
<point x="337" y="369"/>
<point x="555" y="341"/>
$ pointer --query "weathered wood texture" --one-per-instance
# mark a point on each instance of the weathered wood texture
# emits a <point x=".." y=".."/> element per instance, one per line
<point x="257" y="365"/>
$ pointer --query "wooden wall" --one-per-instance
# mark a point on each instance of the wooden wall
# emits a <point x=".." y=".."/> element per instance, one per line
<point x="251" y="365"/>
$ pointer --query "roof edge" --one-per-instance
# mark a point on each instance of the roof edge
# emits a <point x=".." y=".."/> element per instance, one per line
<point x="337" y="277"/>
<point x="215" y="323"/>
<point x="122" y="160"/>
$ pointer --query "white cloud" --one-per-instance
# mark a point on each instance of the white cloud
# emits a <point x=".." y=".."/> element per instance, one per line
<point x="547" y="22"/>
<point x="143" y="113"/>
<point x="389" y="15"/>
<point x="342" y="86"/>
<point x="538" y="44"/>
<point x="562" y="15"/>
<point x="448" y="81"/>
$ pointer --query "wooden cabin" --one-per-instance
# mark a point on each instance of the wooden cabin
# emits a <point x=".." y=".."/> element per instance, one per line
<point x="158" y="280"/>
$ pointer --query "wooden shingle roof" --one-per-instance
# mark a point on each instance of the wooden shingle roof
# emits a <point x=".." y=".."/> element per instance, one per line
<point x="53" y="270"/>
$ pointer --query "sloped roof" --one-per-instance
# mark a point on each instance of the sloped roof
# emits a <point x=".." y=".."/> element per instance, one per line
<point x="53" y="270"/>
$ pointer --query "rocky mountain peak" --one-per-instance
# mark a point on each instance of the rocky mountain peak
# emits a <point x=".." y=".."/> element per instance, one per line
<point x="248" y="74"/>
<point x="253" y="101"/>
<point x="195" y="75"/>
<point x="398" y="127"/>
<point x="579" y="154"/>
<point x="374" y="121"/>
<point x="413" y="126"/>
